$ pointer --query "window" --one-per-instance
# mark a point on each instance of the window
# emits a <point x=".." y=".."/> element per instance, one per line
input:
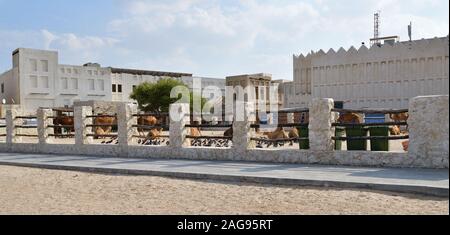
<point x="91" y="84"/>
<point x="75" y="71"/>
<point x="101" y="85"/>
<point x="90" y="72"/>
<point x="96" y="73"/>
<point x="119" y="88"/>
<point x="69" y="71"/>
<point x="33" y="81"/>
<point x="33" y="65"/>
<point x="74" y="83"/>
<point x="64" y="83"/>
<point x="62" y="70"/>
<point x="44" y="82"/>
<point x="114" y="88"/>
<point x="44" y="65"/>
<point x="3" y="88"/>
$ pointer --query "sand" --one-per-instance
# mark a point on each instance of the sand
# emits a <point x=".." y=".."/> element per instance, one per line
<point x="49" y="192"/>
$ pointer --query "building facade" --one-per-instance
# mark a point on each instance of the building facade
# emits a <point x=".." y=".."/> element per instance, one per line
<point x="260" y="83"/>
<point x="38" y="80"/>
<point x="382" y="76"/>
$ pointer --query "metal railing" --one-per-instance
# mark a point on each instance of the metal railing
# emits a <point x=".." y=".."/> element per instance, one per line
<point x="367" y="126"/>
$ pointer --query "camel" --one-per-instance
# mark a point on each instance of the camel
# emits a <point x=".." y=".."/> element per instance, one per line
<point x="279" y="133"/>
<point x="146" y="121"/>
<point x="350" y="118"/>
<point x="395" y="130"/>
<point x="64" y="121"/>
<point x="399" y="117"/>
<point x="294" y="133"/>
<point x="405" y="145"/>
<point x="104" y="130"/>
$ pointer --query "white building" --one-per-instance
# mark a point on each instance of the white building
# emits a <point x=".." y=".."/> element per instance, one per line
<point x="384" y="76"/>
<point x="38" y="80"/>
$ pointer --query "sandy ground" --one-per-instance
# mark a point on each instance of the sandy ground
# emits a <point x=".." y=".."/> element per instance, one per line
<point x="38" y="191"/>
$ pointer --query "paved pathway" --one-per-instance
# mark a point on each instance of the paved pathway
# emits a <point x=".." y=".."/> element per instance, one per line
<point x="423" y="181"/>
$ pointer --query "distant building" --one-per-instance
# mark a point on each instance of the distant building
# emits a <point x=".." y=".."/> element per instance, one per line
<point x="260" y="83"/>
<point x="38" y="80"/>
<point x="382" y="76"/>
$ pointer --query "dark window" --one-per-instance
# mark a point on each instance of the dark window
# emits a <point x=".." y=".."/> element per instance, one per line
<point x="119" y="88"/>
<point x="114" y="89"/>
<point x="3" y="88"/>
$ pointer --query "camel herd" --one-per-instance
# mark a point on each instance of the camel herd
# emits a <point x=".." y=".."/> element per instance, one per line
<point x="103" y="126"/>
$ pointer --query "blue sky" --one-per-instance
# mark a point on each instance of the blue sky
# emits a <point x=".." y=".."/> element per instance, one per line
<point x="209" y="38"/>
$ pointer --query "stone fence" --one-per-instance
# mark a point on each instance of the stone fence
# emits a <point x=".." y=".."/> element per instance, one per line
<point x="428" y="131"/>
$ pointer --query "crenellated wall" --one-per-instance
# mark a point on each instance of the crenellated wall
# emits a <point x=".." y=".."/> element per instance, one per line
<point x="386" y="76"/>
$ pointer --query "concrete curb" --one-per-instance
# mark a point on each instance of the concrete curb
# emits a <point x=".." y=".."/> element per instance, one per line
<point x="422" y="190"/>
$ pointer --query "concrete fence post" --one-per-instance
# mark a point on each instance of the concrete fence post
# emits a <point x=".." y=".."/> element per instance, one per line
<point x="43" y="121"/>
<point x="242" y="132"/>
<point x="11" y="122"/>
<point x="125" y="123"/>
<point x="81" y="121"/>
<point x="179" y="118"/>
<point x="429" y="130"/>
<point x="321" y="130"/>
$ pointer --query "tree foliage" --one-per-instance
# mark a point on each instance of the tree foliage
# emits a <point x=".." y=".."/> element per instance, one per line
<point x="155" y="97"/>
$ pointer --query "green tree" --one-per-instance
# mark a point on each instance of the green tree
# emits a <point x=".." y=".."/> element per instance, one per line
<point x="155" y="97"/>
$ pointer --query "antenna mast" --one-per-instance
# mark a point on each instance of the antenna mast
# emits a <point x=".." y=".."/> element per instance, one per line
<point x="376" y="28"/>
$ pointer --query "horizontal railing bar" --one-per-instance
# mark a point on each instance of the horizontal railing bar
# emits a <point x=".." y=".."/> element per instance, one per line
<point x="370" y="124"/>
<point x="61" y="126"/>
<point x="210" y="137"/>
<point x="280" y="125"/>
<point x="63" y="110"/>
<point x="209" y="126"/>
<point x="372" y="138"/>
<point x="95" y="135"/>
<point x="100" y="125"/>
<point x="371" y="111"/>
<point x="55" y="117"/>
<point x="61" y="135"/>
<point x="25" y="127"/>
<point x="145" y="137"/>
<point x="294" y="110"/>
<point x="278" y="140"/>
<point x="149" y="127"/>
<point x="26" y="117"/>
<point x="24" y="135"/>
<point x="98" y="116"/>
<point x="150" y="114"/>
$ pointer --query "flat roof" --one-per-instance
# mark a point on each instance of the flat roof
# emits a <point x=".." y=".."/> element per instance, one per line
<point x="149" y="72"/>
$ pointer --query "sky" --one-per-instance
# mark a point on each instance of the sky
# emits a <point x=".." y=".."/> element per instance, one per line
<point x="209" y="38"/>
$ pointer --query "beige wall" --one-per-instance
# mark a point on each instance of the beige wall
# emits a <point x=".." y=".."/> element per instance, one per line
<point x="376" y="77"/>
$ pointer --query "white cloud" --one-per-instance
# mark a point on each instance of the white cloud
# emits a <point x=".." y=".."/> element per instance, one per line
<point x="71" y="41"/>
<point x="226" y="37"/>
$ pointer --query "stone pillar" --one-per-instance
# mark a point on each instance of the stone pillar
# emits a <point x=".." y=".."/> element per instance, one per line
<point x="242" y="132"/>
<point x="429" y="129"/>
<point x="125" y="122"/>
<point x="81" y="122"/>
<point x="179" y="118"/>
<point x="320" y="125"/>
<point x="43" y="122"/>
<point x="11" y="122"/>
